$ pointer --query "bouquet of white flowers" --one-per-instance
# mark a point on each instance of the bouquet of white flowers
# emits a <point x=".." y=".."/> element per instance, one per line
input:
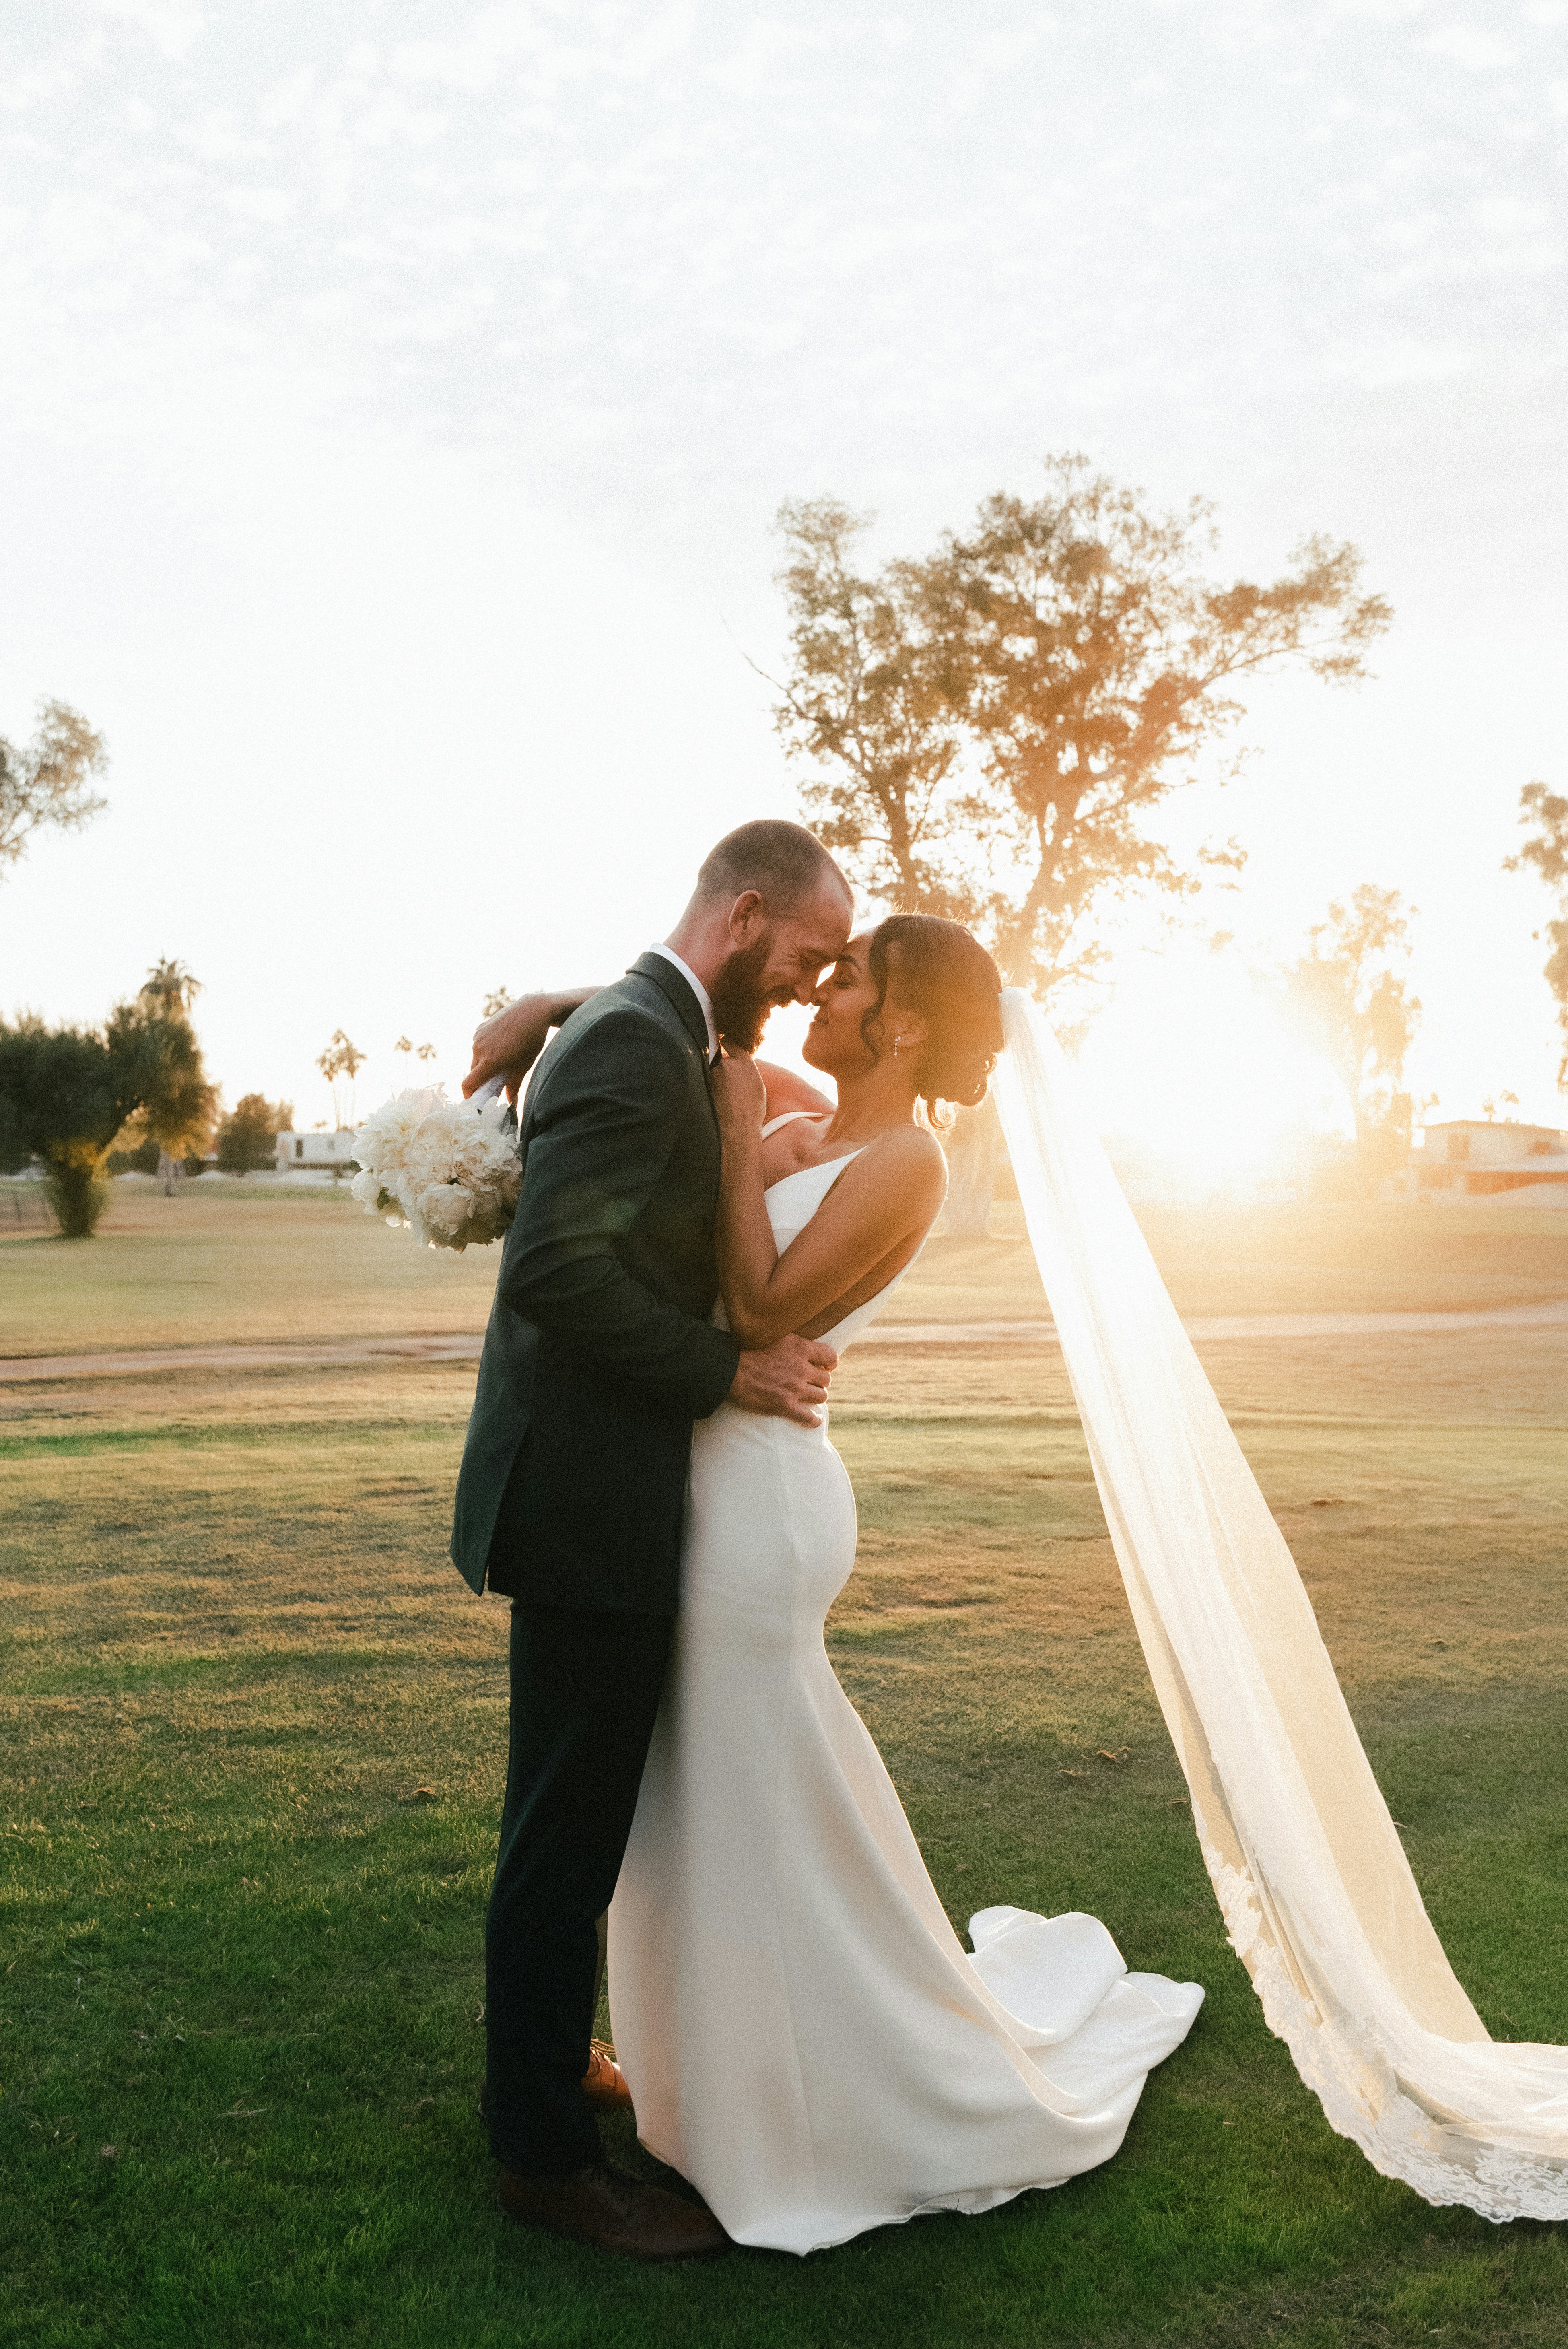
<point x="449" y="1169"/>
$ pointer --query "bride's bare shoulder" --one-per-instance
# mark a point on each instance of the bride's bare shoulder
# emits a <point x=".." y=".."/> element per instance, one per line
<point x="909" y="1157"/>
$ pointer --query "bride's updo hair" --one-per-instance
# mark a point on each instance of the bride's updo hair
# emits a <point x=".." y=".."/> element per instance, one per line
<point x="942" y="975"/>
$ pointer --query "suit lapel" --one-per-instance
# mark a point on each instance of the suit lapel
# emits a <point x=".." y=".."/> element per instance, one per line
<point x="678" y="994"/>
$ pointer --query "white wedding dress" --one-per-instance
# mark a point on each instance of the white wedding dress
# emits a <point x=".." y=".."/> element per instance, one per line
<point x="805" y="2038"/>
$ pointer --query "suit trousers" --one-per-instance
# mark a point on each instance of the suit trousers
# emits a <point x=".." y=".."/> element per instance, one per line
<point x="585" y="1687"/>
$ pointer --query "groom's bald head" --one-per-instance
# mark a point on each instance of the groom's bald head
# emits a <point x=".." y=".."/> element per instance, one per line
<point x="786" y="865"/>
<point x="771" y="911"/>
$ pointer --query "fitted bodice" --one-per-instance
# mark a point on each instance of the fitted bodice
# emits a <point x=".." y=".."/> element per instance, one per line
<point x="805" y="2036"/>
<point x="791" y="1203"/>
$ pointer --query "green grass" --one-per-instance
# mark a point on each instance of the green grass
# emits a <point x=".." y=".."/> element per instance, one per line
<point x="242" y="1262"/>
<point x="230" y="1263"/>
<point x="254" y="1730"/>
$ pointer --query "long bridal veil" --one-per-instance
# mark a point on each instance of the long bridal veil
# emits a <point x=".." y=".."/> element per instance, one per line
<point x="1316" y="1893"/>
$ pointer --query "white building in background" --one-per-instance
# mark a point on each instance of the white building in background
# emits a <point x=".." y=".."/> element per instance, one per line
<point x="315" y="1154"/>
<point x="1473" y="1158"/>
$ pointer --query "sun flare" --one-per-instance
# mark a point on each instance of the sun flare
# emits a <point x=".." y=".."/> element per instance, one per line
<point x="1191" y="1062"/>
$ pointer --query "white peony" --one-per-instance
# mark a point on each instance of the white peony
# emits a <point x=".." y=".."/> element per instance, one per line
<point x="449" y="1171"/>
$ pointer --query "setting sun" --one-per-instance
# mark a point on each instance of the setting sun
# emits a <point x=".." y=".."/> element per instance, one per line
<point x="1191" y="1062"/>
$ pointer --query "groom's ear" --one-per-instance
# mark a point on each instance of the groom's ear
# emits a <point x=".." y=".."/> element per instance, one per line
<point x="747" y="915"/>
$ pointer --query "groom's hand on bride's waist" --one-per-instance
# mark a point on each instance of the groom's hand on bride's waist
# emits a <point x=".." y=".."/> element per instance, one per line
<point x="786" y="1381"/>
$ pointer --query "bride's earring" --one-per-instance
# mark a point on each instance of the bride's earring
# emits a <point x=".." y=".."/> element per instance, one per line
<point x="897" y="1043"/>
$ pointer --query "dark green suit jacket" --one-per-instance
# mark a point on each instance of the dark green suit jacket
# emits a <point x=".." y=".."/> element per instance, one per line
<point x="600" y="1353"/>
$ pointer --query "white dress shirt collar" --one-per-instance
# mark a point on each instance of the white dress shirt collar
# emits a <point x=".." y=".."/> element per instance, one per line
<point x="698" y="989"/>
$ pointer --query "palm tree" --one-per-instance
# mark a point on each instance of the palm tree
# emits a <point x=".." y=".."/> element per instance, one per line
<point x="342" y="1058"/>
<point x="171" y="988"/>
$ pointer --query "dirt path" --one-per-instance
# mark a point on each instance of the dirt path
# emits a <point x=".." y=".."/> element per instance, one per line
<point x="325" y="1352"/>
<point x="1202" y="1328"/>
<point x="283" y="1354"/>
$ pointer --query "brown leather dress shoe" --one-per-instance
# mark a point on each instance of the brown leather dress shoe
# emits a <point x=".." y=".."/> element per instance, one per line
<point x="604" y="2083"/>
<point x="614" y="2211"/>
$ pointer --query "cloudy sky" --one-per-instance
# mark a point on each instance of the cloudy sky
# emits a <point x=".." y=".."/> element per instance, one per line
<point x="397" y="398"/>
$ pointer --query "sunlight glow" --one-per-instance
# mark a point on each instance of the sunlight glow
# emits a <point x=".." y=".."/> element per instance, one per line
<point x="1191" y="1062"/>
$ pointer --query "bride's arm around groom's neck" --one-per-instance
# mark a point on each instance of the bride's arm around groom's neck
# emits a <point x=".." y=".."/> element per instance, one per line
<point x="508" y="1044"/>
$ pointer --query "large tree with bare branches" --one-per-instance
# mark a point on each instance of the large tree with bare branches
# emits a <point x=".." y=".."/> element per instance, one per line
<point x="992" y="729"/>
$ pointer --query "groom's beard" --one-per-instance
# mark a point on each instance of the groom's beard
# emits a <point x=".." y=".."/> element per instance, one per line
<point x="741" y="1005"/>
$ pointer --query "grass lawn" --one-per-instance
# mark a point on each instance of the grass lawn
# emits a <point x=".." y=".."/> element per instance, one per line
<point x="255" y="1728"/>
<point x="234" y="1262"/>
<point x="229" y="1262"/>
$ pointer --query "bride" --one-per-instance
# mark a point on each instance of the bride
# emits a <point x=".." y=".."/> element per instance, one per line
<point x="803" y="2034"/>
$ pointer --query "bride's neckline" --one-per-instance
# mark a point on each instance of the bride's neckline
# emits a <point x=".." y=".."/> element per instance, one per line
<point x="816" y="1168"/>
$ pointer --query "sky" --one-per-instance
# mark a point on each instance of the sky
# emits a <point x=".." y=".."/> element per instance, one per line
<point x="396" y="401"/>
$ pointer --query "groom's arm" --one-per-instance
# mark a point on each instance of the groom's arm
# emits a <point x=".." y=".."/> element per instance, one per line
<point x="604" y="1129"/>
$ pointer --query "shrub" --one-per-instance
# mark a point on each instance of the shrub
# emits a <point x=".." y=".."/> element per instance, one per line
<point x="66" y="1094"/>
<point x="247" y="1135"/>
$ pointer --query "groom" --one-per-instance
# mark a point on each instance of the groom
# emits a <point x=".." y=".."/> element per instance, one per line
<point x="599" y="1356"/>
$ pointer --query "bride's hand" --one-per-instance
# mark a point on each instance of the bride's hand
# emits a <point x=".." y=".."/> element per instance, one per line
<point x="508" y="1044"/>
<point x="739" y="1095"/>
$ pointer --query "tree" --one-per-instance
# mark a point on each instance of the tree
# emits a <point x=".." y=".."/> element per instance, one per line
<point x="48" y="780"/>
<point x="341" y="1059"/>
<point x="1546" y="852"/>
<point x="248" y="1135"/>
<point x="995" y="725"/>
<point x="133" y="1154"/>
<point x="180" y="1121"/>
<point x="171" y="987"/>
<point x="67" y="1094"/>
<point x="993" y="729"/>
<point x="496" y="1000"/>
<point x="1347" y="999"/>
